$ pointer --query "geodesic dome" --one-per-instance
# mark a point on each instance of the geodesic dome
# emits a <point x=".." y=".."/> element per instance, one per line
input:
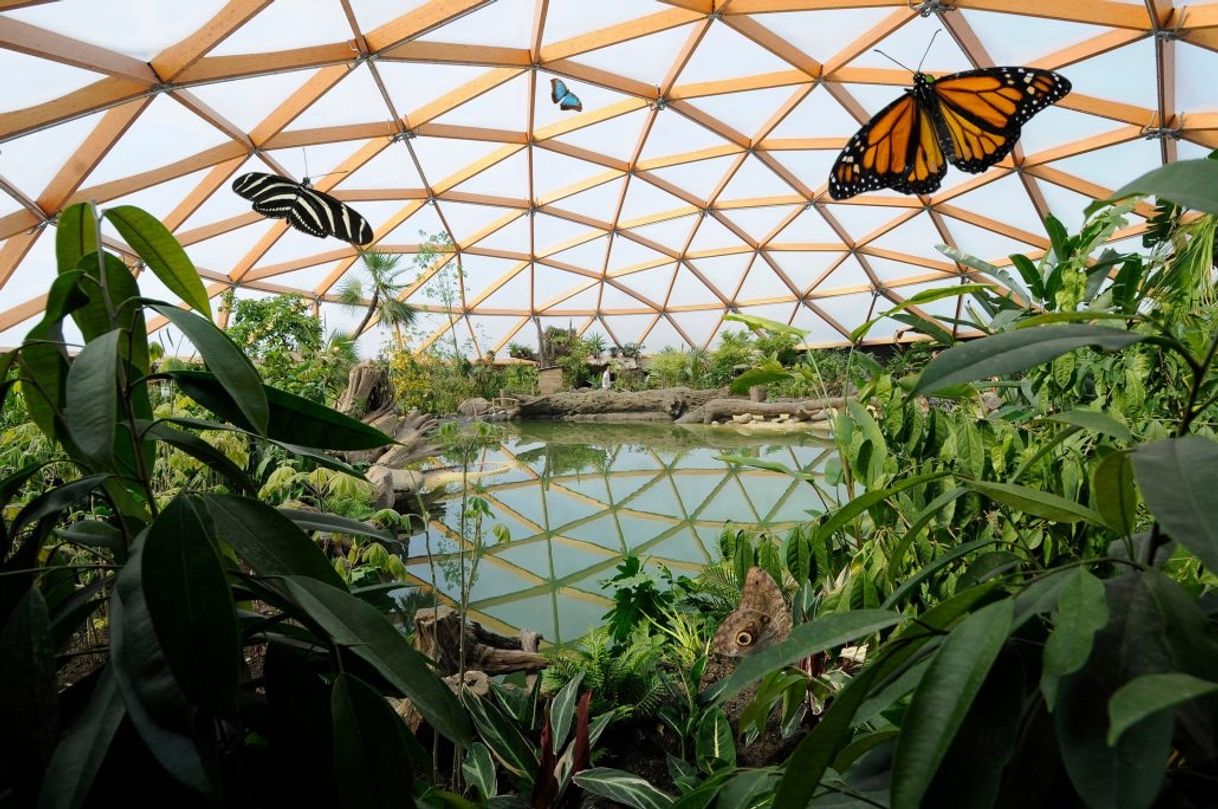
<point x="693" y="182"/>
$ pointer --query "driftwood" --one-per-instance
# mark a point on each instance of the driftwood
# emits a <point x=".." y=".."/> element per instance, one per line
<point x="476" y="683"/>
<point x="800" y="410"/>
<point x="666" y="403"/>
<point x="368" y="394"/>
<point x="438" y="637"/>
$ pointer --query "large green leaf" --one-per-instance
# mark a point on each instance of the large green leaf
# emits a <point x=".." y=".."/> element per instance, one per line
<point x="350" y="622"/>
<point x="370" y="754"/>
<point x="335" y="524"/>
<point x="1081" y="612"/>
<point x="943" y="699"/>
<point x="1179" y="479"/>
<point x="92" y="398"/>
<point x="1190" y="183"/>
<point x="713" y="741"/>
<point x="28" y="702"/>
<point x="925" y="296"/>
<point x="79" y="756"/>
<point x="293" y="419"/>
<point x="503" y="736"/>
<point x="267" y="540"/>
<point x="896" y="559"/>
<point x="562" y="711"/>
<point x="1014" y="351"/>
<point x="162" y="253"/>
<point x="1113" y="492"/>
<point x="1148" y="695"/>
<point x="231" y="367"/>
<point x="1095" y="422"/>
<point x="156" y="706"/>
<point x="479" y="770"/>
<point x="203" y="452"/>
<point x="768" y="372"/>
<point x="927" y="571"/>
<point x="1035" y="502"/>
<point x="188" y="598"/>
<point x="124" y="310"/>
<point x="75" y="235"/>
<point x="773" y="326"/>
<point x="622" y="787"/>
<point x="806" y="639"/>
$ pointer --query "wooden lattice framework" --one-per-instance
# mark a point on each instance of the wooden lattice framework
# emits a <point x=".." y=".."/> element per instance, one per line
<point x="129" y="86"/>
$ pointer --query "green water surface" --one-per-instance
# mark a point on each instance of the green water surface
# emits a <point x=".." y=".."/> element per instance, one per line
<point x="576" y="498"/>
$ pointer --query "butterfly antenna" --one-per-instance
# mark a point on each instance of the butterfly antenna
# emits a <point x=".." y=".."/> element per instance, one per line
<point x="927" y="51"/>
<point x="894" y="61"/>
<point x="305" y="153"/>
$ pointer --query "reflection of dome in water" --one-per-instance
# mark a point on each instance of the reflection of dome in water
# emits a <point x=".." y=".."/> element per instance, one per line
<point x="661" y="494"/>
<point x="693" y="181"/>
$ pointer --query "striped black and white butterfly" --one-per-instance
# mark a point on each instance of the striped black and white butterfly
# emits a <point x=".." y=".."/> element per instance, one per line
<point x="305" y="208"/>
<point x="563" y="97"/>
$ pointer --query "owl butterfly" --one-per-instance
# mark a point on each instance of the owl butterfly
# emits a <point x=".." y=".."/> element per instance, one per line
<point x="761" y="620"/>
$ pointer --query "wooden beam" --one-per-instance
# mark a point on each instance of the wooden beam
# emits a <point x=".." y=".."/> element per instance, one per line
<point x="99" y="95"/>
<point x="34" y="41"/>
<point x="170" y="62"/>
<point x="86" y="157"/>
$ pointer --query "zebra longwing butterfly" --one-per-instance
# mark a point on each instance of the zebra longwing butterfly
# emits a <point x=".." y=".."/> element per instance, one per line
<point x="304" y="207"/>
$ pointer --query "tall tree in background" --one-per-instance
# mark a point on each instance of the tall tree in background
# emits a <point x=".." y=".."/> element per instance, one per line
<point x="379" y="284"/>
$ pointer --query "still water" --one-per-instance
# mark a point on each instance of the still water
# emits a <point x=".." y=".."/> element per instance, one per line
<point x="576" y="498"/>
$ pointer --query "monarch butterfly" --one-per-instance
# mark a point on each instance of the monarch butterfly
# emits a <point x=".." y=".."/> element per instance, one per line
<point x="563" y="97"/>
<point x="304" y="207"/>
<point x="969" y="119"/>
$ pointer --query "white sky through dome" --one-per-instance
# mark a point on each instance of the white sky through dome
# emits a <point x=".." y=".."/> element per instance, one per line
<point x="693" y="182"/>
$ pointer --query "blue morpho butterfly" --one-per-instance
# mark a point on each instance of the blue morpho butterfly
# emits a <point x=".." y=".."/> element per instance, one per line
<point x="564" y="98"/>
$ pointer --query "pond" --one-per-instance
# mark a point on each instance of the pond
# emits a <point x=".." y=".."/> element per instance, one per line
<point x="577" y="498"/>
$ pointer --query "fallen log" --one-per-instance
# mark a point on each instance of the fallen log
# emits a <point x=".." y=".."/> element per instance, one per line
<point x="799" y="410"/>
<point x="438" y="635"/>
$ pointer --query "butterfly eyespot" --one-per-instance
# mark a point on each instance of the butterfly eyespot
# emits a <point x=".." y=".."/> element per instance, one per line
<point x="765" y="619"/>
<point x="744" y="639"/>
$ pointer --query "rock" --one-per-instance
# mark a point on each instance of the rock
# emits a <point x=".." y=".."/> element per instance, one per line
<point x="474" y="407"/>
<point x="691" y="416"/>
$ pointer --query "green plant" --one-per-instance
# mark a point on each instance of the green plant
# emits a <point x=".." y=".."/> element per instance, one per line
<point x="521" y="352"/>
<point x="172" y="711"/>
<point x="624" y="677"/>
<point x="375" y="289"/>
<point x="637" y="598"/>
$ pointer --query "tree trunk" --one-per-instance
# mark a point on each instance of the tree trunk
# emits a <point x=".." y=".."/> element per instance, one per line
<point x="367" y="316"/>
<point x="368" y="394"/>
<point x="802" y="410"/>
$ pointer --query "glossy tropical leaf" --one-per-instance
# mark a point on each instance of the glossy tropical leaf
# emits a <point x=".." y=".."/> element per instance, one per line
<point x="927" y="571"/>
<point x="1081" y="612"/>
<point x="370" y="755"/>
<point x="562" y="711"/>
<point x="122" y="310"/>
<point x="335" y="524"/>
<point x="827" y="632"/>
<point x="1035" y="502"/>
<point x="1013" y="351"/>
<point x="502" y="735"/>
<point x="78" y="758"/>
<point x="92" y="399"/>
<point x="1095" y="422"/>
<point x="267" y="540"/>
<point x="232" y="369"/>
<point x="1150" y="694"/>
<point x="188" y="599"/>
<point x="944" y="697"/>
<point x="1179" y="478"/>
<point x="156" y="706"/>
<point x="1113" y="492"/>
<point x="1190" y="183"/>
<point x="925" y="296"/>
<point x="75" y="235"/>
<point x="350" y="622"/>
<point x="293" y="419"/>
<point x="768" y="372"/>
<point x="479" y="770"/>
<point x="162" y="253"/>
<point x="622" y="787"/>
<point x="846" y="514"/>
<point x="713" y="741"/>
<point x="203" y="452"/>
<point x="975" y="263"/>
<point x="29" y="703"/>
<point x="773" y="326"/>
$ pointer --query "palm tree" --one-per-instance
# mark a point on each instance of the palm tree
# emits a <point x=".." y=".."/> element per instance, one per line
<point x="379" y="285"/>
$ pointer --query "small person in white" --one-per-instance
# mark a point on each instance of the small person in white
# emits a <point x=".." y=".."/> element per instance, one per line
<point x="606" y="380"/>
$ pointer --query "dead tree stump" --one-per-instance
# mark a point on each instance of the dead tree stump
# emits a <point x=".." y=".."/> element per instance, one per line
<point x="369" y="395"/>
<point x="438" y="635"/>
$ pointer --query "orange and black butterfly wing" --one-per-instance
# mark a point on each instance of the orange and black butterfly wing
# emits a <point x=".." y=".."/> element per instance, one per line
<point x="979" y="112"/>
<point x="898" y="148"/>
